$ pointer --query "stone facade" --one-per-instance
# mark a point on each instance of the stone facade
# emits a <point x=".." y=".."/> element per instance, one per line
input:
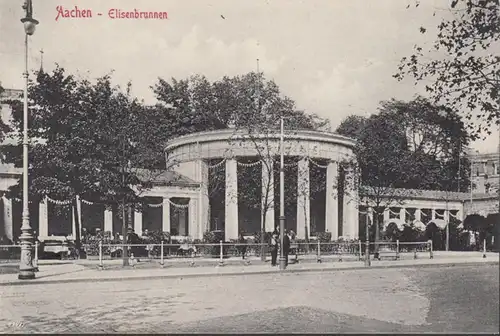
<point x="485" y="172"/>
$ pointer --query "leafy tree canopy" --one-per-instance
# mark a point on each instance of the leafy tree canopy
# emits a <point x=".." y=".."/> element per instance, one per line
<point x="462" y="66"/>
<point x="413" y="145"/>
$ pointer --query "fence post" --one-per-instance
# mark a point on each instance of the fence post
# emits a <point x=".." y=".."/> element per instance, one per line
<point x="35" y="260"/>
<point x="162" y="262"/>
<point x="221" y="258"/>
<point x="484" y="248"/>
<point x="100" y="255"/>
<point x="397" y="249"/>
<point x="340" y="249"/>
<point x="360" y="250"/>
<point x="318" y="255"/>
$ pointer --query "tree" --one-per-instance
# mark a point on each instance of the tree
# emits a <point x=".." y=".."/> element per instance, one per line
<point x="463" y="65"/>
<point x="408" y="146"/>
<point x="4" y="128"/>
<point x="433" y="136"/>
<point x="87" y="140"/>
<point x="248" y="104"/>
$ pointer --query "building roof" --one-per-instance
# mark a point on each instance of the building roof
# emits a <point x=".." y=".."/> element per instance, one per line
<point x="161" y="177"/>
<point x="9" y="169"/>
<point x="436" y="195"/>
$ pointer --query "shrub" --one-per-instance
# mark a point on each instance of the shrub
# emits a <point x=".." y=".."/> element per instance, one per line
<point x="324" y="237"/>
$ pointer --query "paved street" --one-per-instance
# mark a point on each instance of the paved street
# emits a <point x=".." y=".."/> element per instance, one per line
<point x="461" y="298"/>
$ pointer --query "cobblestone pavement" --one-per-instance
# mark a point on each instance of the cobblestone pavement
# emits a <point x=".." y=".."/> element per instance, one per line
<point x="390" y="300"/>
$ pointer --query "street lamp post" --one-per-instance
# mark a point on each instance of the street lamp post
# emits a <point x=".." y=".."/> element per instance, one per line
<point x="26" y="269"/>
<point x="282" y="261"/>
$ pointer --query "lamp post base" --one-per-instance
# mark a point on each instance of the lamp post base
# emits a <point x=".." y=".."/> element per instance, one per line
<point x="26" y="269"/>
<point x="282" y="263"/>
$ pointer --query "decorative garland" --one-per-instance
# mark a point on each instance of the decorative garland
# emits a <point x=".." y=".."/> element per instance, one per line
<point x="394" y="213"/>
<point x="217" y="164"/>
<point x="182" y="206"/>
<point x="317" y="164"/>
<point x="20" y="200"/>
<point x="58" y="202"/>
<point x="253" y="164"/>
<point x="87" y="202"/>
<point x="155" y="205"/>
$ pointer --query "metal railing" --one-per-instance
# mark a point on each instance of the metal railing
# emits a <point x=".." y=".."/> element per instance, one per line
<point x="220" y="253"/>
<point x="11" y="254"/>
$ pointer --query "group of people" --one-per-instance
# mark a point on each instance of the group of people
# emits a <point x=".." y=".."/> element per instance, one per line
<point x="276" y="243"/>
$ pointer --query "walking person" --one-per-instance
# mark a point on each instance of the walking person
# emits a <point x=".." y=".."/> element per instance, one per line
<point x="242" y="247"/>
<point x="274" y="248"/>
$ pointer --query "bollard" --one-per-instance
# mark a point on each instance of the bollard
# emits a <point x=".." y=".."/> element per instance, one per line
<point x="397" y="249"/>
<point x="100" y="266"/>
<point x="484" y="248"/>
<point x="162" y="261"/>
<point x="431" y="255"/>
<point x="319" y="253"/>
<point x="192" y="256"/>
<point x="340" y="254"/>
<point x="221" y="260"/>
<point x="360" y="250"/>
<point x="35" y="260"/>
<point x="131" y="260"/>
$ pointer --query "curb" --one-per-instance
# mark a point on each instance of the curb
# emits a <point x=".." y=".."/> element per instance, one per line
<point x="206" y="275"/>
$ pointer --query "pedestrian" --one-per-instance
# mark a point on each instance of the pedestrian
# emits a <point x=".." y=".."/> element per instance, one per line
<point x="242" y="247"/>
<point x="286" y="246"/>
<point x="274" y="248"/>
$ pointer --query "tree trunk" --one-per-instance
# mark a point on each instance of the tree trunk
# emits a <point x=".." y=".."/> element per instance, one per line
<point x="262" y="234"/>
<point x="78" y="242"/>
<point x="124" y="233"/>
<point x="377" y="234"/>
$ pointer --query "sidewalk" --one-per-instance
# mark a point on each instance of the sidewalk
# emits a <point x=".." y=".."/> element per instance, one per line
<point x="74" y="272"/>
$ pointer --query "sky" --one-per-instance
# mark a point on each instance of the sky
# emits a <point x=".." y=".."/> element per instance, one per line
<point x="334" y="58"/>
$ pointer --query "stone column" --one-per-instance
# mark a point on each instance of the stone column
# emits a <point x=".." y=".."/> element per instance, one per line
<point x="43" y="218"/>
<point x="267" y="189"/>
<point x="108" y="221"/>
<point x="402" y="214"/>
<point x="350" y="216"/>
<point x="138" y="222"/>
<point x="387" y="215"/>
<point x="433" y="214"/>
<point x="332" y="210"/>
<point x="204" y="202"/>
<point x="194" y="227"/>
<point x="165" y="224"/>
<point x="73" y="218"/>
<point x="446" y="216"/>
<point x="7" y="218"/>
<point x="231" y="202"/>
<point x="303" y="201"/>
<point x="370" y="214"/>
<point x="418" y="214"/>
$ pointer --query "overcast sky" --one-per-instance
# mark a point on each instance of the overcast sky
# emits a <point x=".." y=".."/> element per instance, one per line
<point x="333" y="57"/>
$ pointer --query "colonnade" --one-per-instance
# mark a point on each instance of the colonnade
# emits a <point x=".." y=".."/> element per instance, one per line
<point x="350" y="204"/>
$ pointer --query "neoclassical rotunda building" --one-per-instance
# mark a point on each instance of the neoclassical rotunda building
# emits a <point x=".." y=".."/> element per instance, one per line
<point x="196" y="154"/>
